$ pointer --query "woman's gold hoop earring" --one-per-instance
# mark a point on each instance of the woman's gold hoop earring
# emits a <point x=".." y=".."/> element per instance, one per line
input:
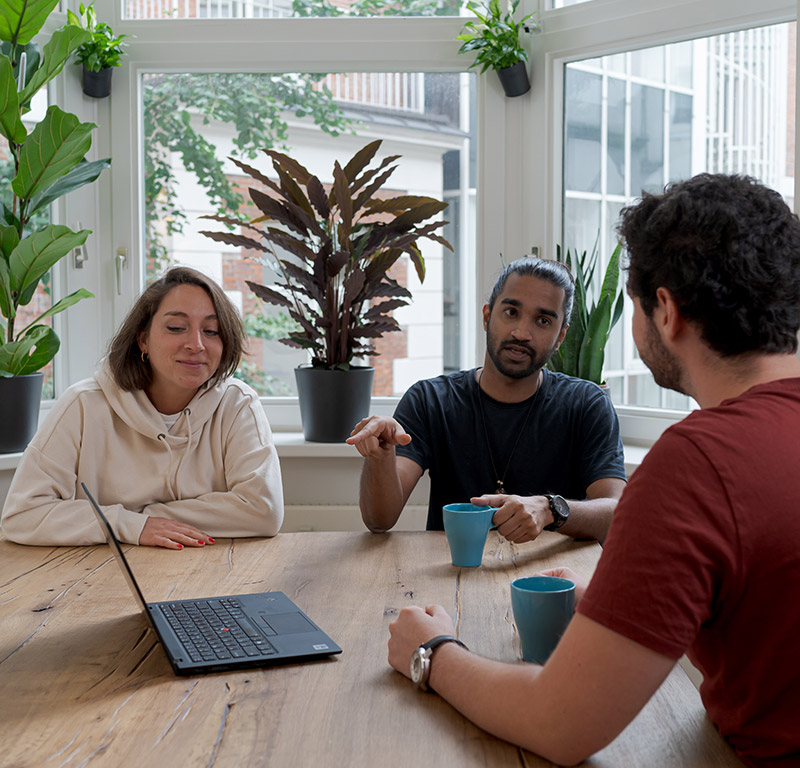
<point x="145" y="357"/>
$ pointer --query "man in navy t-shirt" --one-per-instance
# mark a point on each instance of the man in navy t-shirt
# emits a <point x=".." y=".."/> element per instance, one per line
<point x="541" y="446"/>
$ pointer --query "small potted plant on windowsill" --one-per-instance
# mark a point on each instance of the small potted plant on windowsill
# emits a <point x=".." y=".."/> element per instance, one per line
<point x="332" y="249"/>
<point x="582" y="353"/>
<point x="494" y="37"/>
<point x="100" y="54"/>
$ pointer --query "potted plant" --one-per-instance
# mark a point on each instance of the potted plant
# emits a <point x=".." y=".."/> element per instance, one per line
<point x="332" y="250"/>
<point x="582" y="353"/>
<point x="494" y="37"/>
<point x="99" y="54"/>
<point x="42" y="166"/>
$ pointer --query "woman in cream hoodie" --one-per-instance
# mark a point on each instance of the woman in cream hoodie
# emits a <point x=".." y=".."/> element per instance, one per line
<point x="174" y="449"/>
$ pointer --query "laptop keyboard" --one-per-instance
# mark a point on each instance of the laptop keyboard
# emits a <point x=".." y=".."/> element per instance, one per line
<point x="215" y="629"/>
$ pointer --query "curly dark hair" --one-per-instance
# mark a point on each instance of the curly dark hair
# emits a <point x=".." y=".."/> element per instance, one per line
<point x="728" y="250"/>
<point x="550" y="271"/>
<point x="129" y="370"/>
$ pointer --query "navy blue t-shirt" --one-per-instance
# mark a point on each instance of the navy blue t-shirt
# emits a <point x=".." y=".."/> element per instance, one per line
<point x="570" y="440"/>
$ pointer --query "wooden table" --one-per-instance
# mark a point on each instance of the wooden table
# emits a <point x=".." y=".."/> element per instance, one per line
<point x="83" y="682"/>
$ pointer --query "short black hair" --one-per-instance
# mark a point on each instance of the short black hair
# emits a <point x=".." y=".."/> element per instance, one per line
<point x="545" y="269"/>
<point x="728" y="250"/>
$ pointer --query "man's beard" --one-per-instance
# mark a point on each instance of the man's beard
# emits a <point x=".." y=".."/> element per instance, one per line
<point x="664" y="366"/>
<point x="536" y="362"/>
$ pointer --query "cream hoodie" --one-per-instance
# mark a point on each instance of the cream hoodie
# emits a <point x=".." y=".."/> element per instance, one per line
<point x="216" y="469"/>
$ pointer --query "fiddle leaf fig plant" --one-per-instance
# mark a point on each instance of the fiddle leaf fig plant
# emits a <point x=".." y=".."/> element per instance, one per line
<point x="46" y="162"/>
<point x="582" y="353"/>
<point x="332" y="250"/>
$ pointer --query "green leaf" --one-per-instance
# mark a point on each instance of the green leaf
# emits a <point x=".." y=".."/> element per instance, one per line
<point x="83" y="173"/>
<point x="10" y="123"/>
<point x="21" y="21"/>
<point x="592" y="352"/>
<point x="60" y="306"/>
<point x="39" y="251"/>
<point x="57" y="144"/>
<point x="30" y="353"/>
<point x="7" y="308"/>
<point x="55" y="55"/>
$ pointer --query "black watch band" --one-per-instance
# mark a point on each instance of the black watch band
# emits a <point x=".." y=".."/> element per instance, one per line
<point x="421" y="659"/>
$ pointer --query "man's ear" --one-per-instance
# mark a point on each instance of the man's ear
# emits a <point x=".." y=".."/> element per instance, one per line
<point x="486" y="313"/>
<point x="667" y="314"/>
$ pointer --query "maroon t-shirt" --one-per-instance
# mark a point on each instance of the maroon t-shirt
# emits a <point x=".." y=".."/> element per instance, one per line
<point x="703" y="558"/>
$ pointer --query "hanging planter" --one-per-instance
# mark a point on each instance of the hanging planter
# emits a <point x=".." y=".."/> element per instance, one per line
<point x="97" y="84"/>
<point x="99" y="54"/>
<point x="493" y="36"/>
<point x="514" y="79"/>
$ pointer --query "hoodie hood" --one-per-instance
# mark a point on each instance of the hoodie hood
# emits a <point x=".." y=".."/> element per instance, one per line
<point x="137" y="412"/>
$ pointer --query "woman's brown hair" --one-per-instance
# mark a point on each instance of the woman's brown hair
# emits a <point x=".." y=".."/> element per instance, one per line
<point x="128" y="368"/>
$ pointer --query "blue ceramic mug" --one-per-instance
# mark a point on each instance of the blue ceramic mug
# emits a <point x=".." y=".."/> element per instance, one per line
<point x="542" y="606"/>
<point x="466" y="526"/>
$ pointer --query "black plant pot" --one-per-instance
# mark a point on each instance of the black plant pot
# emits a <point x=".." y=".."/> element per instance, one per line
<point x="332" y="402"/>
<point x="97" y="84"/>
<point x="514" y="79"/>
<point x="19" y="410"/>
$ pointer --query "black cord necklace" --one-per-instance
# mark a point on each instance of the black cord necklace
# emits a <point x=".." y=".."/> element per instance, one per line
<point x="501" y="478"/>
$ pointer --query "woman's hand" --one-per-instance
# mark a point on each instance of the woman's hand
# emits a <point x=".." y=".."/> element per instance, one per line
<point x="170" y="534"/>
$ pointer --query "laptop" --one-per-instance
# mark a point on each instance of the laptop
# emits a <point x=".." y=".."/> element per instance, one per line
<point x="221" y="634"/>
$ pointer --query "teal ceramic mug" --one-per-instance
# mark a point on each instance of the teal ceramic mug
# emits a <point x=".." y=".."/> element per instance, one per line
<point x="542" y="606"/>
<point x="466" y="526"/>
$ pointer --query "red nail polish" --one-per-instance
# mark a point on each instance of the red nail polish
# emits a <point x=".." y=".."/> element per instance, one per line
<point x="200" y="542"/>
<point x="211" y="541"/>
<point x="180" y="546"/>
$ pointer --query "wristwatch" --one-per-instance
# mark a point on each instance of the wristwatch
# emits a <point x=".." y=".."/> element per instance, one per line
<point x="560" y="509"/>
<point x="421" y="659"/>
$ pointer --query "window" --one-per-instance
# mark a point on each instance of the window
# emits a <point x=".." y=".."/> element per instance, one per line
<point x="635" y="121"/>
<point x="193" y="121"/>
<point x="632" y="65"/>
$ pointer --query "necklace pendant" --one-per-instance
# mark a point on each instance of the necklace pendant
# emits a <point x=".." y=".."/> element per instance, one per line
<point x="500" y="487"/>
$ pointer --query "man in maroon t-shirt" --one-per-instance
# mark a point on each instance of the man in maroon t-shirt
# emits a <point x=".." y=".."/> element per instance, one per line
<point x="703" y="556"/>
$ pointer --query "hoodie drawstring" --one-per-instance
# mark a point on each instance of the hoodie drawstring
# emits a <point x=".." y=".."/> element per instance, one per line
<point x="172" y="479"/>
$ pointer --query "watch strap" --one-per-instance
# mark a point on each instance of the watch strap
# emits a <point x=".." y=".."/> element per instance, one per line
<point x="427" y="649"/>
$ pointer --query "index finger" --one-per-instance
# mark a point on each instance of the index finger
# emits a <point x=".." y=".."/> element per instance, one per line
<point x="364" y="429"/>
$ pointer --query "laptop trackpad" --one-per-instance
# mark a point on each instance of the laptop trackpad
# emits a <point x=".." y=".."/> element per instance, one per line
<point x="286" y="623"/>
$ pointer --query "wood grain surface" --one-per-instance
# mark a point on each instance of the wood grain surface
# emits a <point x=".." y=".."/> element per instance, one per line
<point x="83" y="681"/>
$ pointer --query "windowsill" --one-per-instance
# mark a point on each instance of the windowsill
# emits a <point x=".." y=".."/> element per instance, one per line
<point x="292" y="445"/>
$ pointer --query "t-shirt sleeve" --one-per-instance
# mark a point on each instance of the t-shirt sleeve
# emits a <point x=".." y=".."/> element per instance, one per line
<point x="413" y="414"/>
<point x="603" y="455"/>
<point x="671" y="543"/>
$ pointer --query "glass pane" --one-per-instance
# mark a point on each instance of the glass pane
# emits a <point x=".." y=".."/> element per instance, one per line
<point x="193" y="122"/>
<point x="647" y="139"/>
<point x="260" y="9"/>
<point x="42" y="298"/>
<point x="615" y="182"/>
<point x="648" y="64"/>
<point x="583" y="129"/>
<point x="727" y="111"/>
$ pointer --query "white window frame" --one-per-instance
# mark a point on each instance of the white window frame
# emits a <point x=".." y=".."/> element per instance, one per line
<point x="519" y="140"/>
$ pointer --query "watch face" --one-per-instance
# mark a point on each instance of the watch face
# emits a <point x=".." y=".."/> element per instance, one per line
<point x="416" y="666"/>
<point x="560" y="505"/>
